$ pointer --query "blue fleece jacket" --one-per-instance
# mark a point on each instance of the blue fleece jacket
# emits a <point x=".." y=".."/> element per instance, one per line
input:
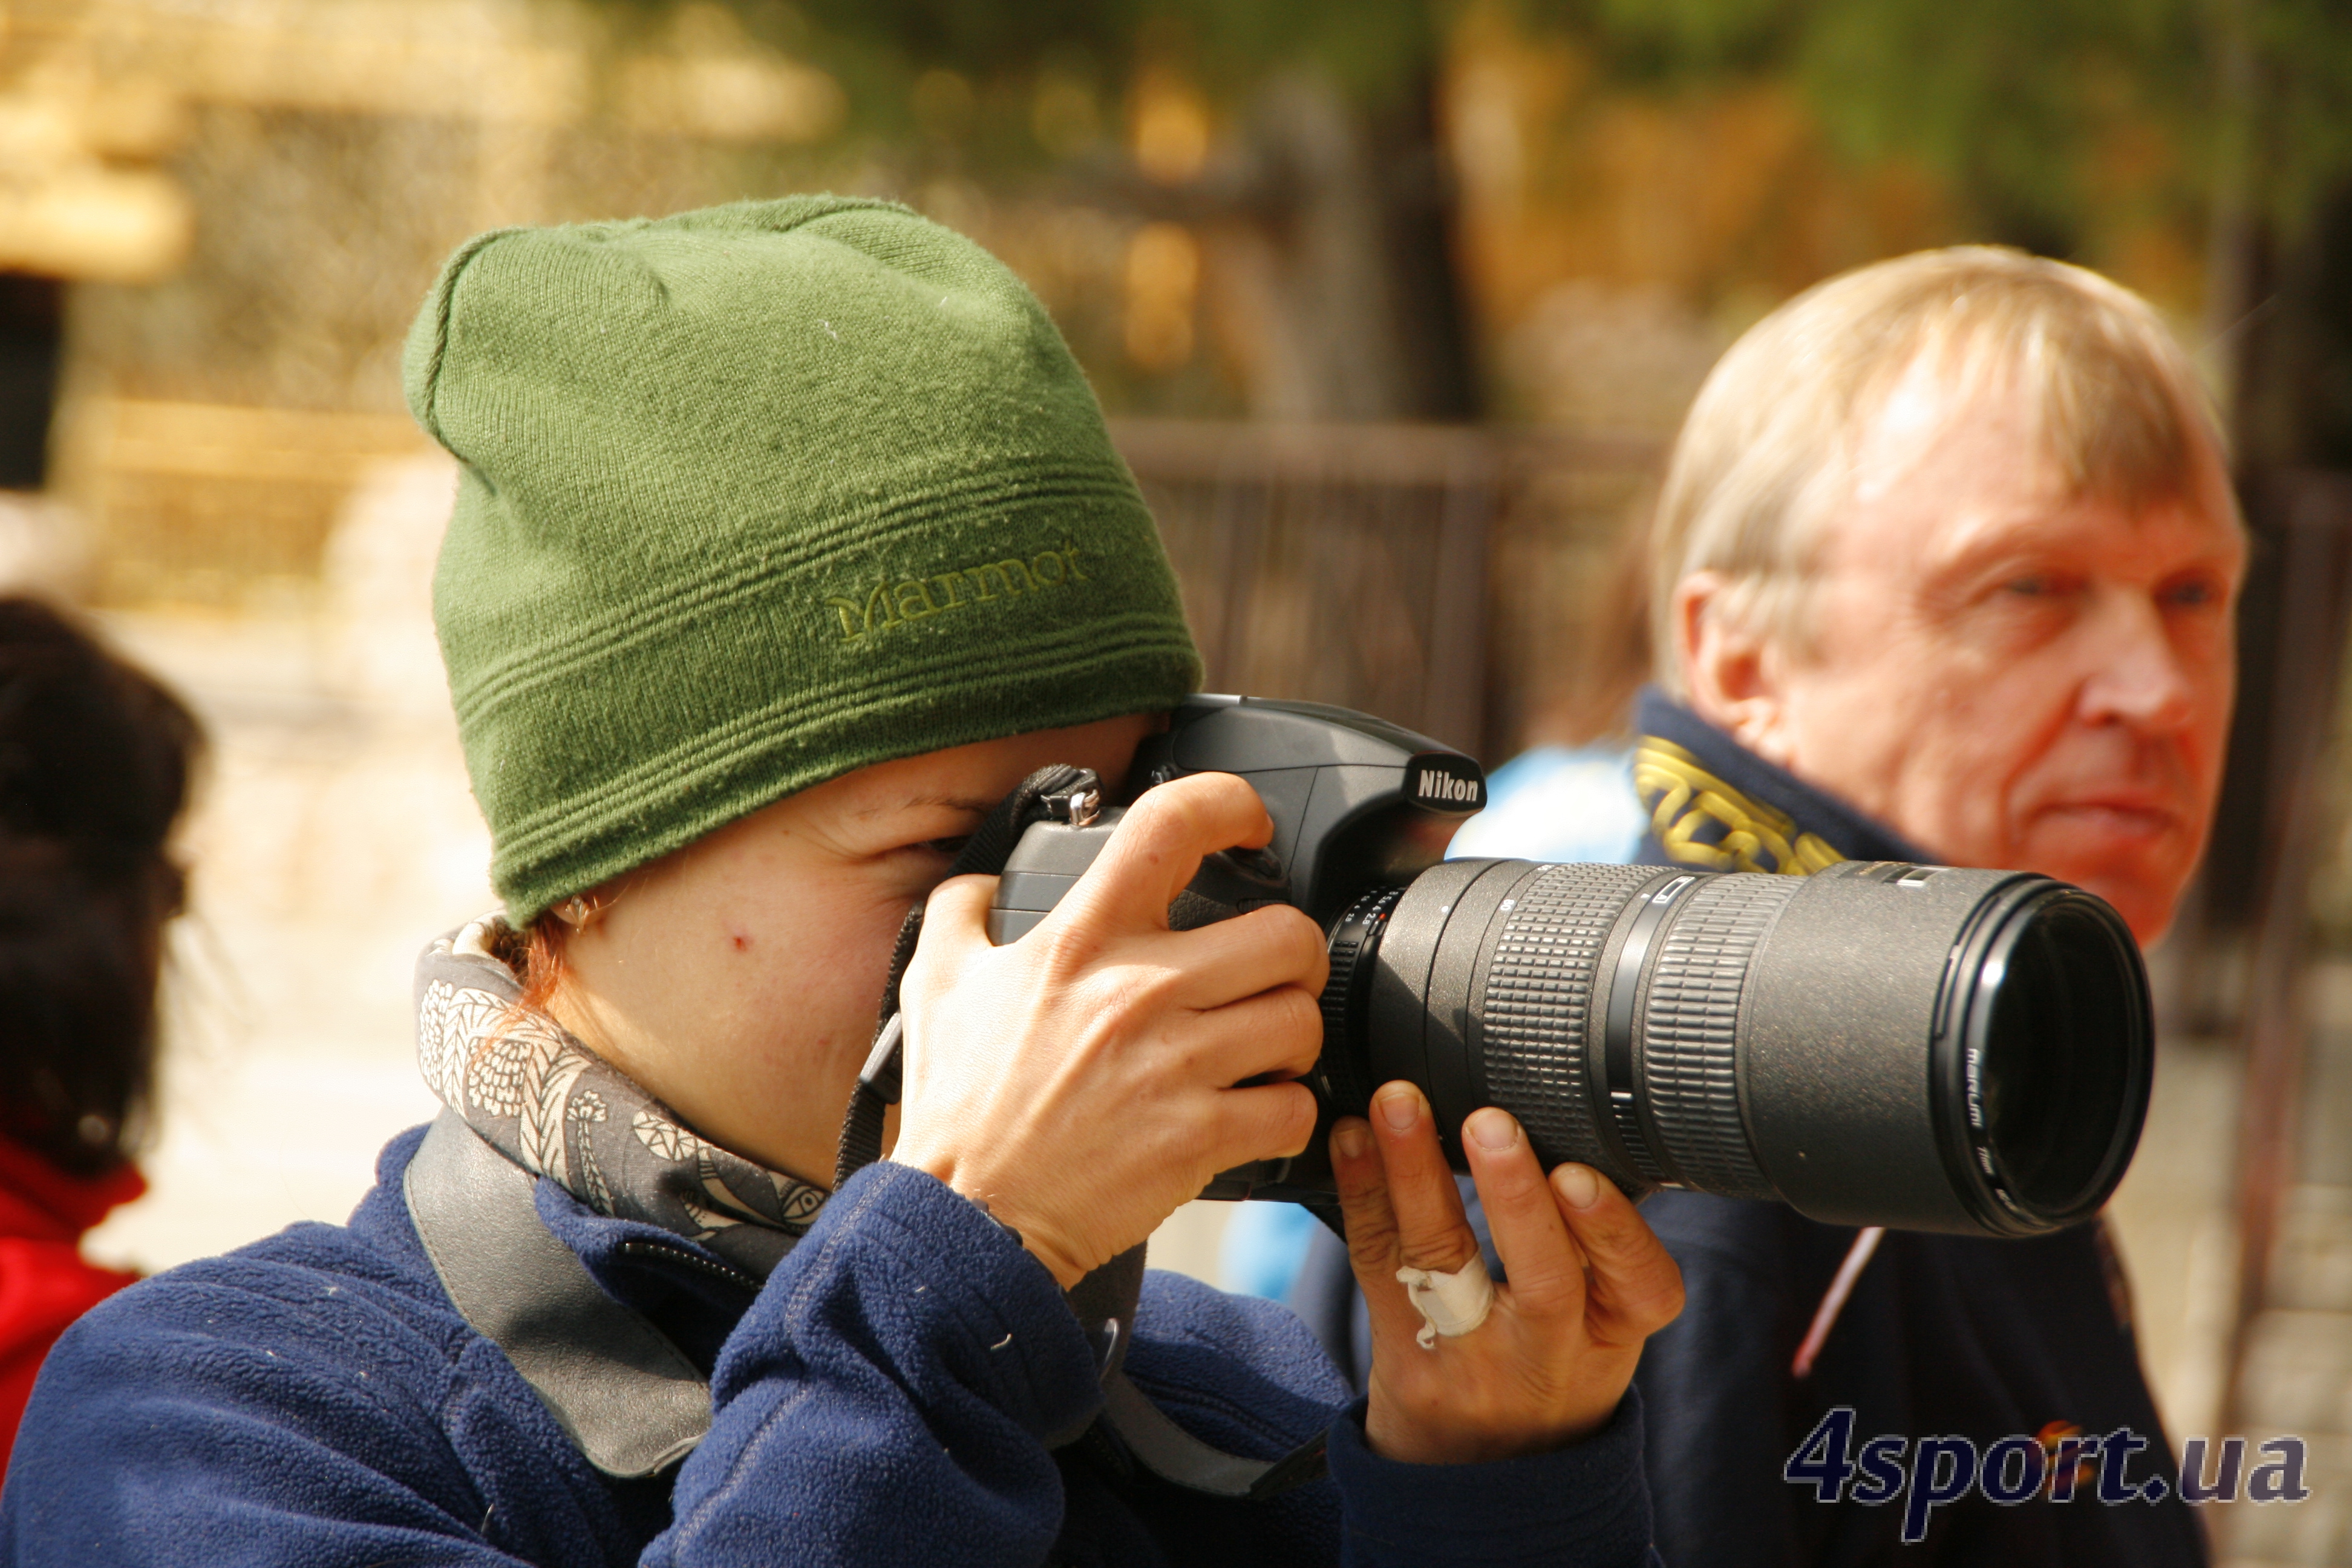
<point x="883" y="1398"/>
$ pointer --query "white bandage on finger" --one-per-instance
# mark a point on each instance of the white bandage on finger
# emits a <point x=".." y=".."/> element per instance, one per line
<point x="1450" y="1305"/>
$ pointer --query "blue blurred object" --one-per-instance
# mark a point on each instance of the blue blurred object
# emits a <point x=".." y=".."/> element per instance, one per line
<point x="1263" y="1246"/>
<point x="1555" y="803"/>
<point x="1558" y="803"/>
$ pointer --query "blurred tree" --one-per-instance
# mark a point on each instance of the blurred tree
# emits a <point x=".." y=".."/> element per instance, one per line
<point x="2224" y="127"/>
<point x="2229" y="120"/>
<point x="1327" y="211"/>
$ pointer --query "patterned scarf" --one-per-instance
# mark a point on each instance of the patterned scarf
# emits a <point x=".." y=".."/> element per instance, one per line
<point x="558" y="1111"/>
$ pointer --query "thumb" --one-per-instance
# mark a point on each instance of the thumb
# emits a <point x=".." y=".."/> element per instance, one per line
<point x="955" y="926"/>
<point x="958" y="909"/>
<point x="1157" y="849"/>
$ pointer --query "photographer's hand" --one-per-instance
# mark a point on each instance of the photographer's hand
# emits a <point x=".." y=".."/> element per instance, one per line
<point x="1081" y="1080"/>
<point x="1589" y="1282"/>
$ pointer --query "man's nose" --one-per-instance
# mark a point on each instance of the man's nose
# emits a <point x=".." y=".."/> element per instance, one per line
<point x="2138" y="675"/>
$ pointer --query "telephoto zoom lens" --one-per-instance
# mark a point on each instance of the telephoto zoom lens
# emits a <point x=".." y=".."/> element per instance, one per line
<point x="1919" y="1047"/>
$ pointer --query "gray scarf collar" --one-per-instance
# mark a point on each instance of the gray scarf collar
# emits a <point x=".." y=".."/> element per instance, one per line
<point x="555" y="1107"/>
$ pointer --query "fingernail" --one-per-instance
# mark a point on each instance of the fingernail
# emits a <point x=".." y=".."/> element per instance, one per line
<point x="1493" y="1128"/>
<point x="1351" y="1139"/>
<point x="1399" y="1108"/>
<point x="1580" y="1185"/>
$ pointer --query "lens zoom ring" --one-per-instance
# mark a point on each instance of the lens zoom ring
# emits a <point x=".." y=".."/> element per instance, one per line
<point x="1536" y="1009"/>
<point x="1689" y="1024"/>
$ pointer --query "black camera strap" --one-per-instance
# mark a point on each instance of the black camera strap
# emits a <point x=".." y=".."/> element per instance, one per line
<point x="627" y="1397"/>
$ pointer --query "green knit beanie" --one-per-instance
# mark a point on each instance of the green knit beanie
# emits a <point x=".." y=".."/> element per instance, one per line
<point x="755" y="496"/>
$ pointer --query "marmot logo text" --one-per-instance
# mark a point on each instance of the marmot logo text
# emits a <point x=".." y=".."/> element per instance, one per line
<point x="912" y="598"/>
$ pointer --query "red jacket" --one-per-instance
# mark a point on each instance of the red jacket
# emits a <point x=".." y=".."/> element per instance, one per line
<point x="44" y="1283"/>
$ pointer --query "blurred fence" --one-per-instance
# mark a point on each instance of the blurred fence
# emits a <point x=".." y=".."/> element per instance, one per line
<point x="1438" y="577"/>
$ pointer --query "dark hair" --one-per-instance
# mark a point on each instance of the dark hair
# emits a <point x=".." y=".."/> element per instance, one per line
<point x="95" y="757"/>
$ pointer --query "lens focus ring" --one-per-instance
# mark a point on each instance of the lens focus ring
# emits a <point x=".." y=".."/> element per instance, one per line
<point x="1535" y="1011"/>
<point x="1688" y="1029"/>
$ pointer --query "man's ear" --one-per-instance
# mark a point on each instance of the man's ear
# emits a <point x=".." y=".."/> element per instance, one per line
<point x="1731" y="675"/>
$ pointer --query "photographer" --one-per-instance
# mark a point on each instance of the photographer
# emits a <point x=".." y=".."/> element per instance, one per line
<point x="790" y="541"/>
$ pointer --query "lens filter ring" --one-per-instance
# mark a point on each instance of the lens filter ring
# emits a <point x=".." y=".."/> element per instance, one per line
<point x="2044" y="1057"/>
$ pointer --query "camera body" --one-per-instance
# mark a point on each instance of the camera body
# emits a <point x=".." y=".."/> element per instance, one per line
<point x="1922" y="1046"/>
<point x="1356" y="803"/>
<point x="1361" y="807"/>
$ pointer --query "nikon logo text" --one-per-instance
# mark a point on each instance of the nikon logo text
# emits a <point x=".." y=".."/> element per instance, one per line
<point x="1442" y="786"/>
<point x="889" y="603"/>
<point x="1433" y="782"/>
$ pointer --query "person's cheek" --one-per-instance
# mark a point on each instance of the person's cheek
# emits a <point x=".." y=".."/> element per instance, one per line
<point x="1976" y="738"/>
<point x="810" y="979"/>
<point x="2015" y="743"/>
<point x="2217" y="691"/>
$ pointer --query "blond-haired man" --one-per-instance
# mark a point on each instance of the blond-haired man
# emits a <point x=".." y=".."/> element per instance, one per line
<point x="1943" y="570"/>
<point x="1945" y="567"/>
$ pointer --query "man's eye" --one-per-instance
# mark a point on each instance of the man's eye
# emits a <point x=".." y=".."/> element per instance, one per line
<point x="2054" y="584"/>
<point x="2191" y="595"/>
<point x="950" y="847"/>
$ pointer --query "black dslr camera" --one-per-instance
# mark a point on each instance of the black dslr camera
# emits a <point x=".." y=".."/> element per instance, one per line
<point x="1921" y="1046"/>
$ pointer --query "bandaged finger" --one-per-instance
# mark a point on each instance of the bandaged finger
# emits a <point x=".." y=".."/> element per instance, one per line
<point x="1450" y="1305"/>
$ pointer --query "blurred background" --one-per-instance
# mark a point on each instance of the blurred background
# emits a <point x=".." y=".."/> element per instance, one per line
<point x="1396" y="304"/>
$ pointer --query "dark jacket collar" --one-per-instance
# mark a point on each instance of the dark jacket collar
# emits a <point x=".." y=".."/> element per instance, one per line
<point x="1715" y="804"/>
